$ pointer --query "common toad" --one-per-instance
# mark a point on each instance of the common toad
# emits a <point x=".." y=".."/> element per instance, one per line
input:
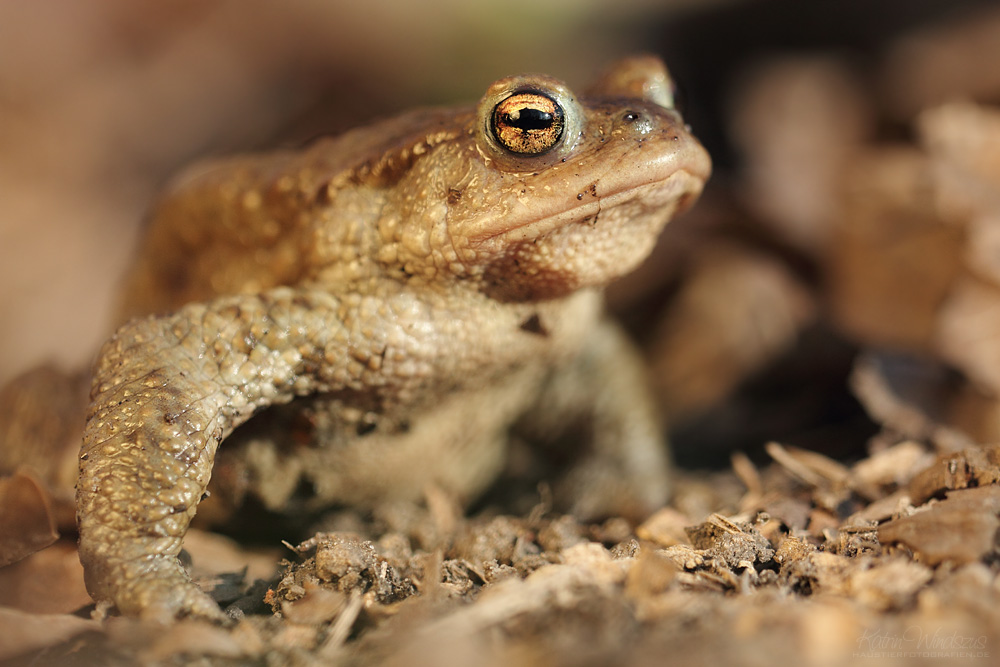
<point x="417" y="286"/>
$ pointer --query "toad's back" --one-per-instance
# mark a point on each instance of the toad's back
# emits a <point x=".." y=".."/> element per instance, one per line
<point x="243" y="224"/>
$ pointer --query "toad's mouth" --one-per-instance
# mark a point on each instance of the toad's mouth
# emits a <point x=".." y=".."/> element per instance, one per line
<point x="674" y="194"/>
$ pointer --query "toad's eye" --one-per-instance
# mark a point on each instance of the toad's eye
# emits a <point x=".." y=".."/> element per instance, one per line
<point x="527" y="123"/>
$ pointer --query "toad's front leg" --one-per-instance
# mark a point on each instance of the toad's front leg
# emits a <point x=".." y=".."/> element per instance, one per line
<point x="166" y="392"/>
<point x="622" y="467"/>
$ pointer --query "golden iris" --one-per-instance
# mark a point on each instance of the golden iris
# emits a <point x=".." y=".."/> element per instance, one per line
<point x="528" y="123"/>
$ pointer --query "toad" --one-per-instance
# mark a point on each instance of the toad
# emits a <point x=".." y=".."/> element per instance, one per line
<point x="398" y="298"/>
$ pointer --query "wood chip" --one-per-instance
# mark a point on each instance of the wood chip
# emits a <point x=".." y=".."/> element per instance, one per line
<point x="811" y="467"/>
<point x="666" y="528"/>
<point x="974" y="466"/>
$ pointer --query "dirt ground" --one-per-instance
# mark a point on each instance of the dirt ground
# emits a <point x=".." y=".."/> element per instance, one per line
<point x="822" y="333"/>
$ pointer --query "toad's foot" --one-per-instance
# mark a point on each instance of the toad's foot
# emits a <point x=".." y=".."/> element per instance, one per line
<point x="156" y="589"/>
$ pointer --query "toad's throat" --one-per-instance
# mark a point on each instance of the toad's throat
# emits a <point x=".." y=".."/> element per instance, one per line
<point x="680" y="187"/>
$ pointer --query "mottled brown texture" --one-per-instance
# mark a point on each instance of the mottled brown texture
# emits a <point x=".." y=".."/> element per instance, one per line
<point x="423" y="286"/>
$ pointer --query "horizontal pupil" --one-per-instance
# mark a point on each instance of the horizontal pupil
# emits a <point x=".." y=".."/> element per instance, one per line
<point x="531" y="119"/>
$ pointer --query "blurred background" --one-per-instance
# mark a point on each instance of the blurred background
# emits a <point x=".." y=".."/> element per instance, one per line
<point x="821" y="236"/>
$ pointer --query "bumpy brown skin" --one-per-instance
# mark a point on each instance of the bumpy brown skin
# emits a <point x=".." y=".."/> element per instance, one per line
<point x="425" y="287"/>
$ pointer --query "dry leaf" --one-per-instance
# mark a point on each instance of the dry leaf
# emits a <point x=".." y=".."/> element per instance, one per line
<point x="26" y="520"/>
<point x="960" y="529"/>
<point x="49" y="581"/>
<point x="24" y="632"/>
<point x="738" y="310"/>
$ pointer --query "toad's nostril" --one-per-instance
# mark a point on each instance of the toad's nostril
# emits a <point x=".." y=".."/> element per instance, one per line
<point x="638" y="123"/>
